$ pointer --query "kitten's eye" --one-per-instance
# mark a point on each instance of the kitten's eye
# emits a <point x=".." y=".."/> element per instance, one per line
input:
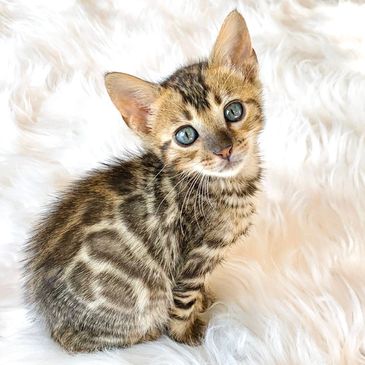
<point x="186" y="135"/>
<point x="234" y="111"/>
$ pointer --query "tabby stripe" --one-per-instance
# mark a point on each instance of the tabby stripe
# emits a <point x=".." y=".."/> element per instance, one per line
<point x="186" y="294"/>
<point x="179" y="317"/>
<point x="127" y="262"/>
<point x="165" y="146"/>
<point x="186" y="286"/>
<point x="252" y="101"/>
<point x="179" y="304"/>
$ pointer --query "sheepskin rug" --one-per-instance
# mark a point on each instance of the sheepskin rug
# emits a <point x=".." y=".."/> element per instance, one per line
<point x="295" y="292"/>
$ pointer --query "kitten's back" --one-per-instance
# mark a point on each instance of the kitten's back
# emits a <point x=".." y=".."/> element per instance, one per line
<point x="90" y="271"/>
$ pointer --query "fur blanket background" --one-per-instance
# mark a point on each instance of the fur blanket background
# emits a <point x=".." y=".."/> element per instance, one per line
<point x="295" y="292"/>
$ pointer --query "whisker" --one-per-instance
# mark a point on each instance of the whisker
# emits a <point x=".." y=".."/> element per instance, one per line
<point x="184" y="177"/>
<point x="182" y="208"/>
<point x="154" y="178"/>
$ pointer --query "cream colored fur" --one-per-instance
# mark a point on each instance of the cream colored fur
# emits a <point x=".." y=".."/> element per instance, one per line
<point x="295" y="293"/>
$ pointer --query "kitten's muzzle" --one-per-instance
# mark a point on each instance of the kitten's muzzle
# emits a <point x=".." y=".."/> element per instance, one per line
<point x="219" y="143"/>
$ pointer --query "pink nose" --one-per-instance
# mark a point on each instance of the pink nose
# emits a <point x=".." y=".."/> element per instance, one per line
<point x="225" y="153"/>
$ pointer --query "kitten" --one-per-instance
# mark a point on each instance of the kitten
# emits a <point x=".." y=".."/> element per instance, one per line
<point x="123" y="256"/>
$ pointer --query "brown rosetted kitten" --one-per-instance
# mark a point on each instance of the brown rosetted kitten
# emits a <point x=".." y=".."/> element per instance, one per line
<point x="123" y="256"/>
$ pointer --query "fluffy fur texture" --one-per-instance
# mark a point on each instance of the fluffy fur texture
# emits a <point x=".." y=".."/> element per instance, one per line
<point x="296" y="289"/>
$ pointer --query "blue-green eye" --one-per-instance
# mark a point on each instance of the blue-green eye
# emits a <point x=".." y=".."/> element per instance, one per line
<point x="186" y="135"/>
<point x="234" y="111"/>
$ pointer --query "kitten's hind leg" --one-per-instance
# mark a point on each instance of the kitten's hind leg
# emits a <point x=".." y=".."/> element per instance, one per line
<point x="191" y="299"/>
<point x="152" y="335"/>
<point x="76" y="341"/>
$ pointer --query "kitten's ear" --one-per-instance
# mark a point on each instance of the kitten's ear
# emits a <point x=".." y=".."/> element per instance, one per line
<point x="233" y="44"/>
<point x="133" y="98"/>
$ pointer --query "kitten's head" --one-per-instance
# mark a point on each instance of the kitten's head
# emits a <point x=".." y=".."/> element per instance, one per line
<point x="205" y="117"/>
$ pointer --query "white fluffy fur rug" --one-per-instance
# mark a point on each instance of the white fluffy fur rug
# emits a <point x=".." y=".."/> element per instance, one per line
<point x="295" y="293"/>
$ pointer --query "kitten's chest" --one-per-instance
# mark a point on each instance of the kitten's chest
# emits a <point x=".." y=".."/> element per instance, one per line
<point x="220" y="219"/>
<point x="232" y="217"/>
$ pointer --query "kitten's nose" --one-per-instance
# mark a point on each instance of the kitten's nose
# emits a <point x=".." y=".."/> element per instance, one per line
<point x="225" y="153"/>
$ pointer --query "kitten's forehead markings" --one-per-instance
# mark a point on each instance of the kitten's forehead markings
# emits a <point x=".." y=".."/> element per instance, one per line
<point x="198" y="119"/>
<point x="206" y="117"/>
<point x="190" y="83"/>
<point x="210" y="122"/>
<point x="215" y="104"/>
<point x="217" y="99"/>
<point x="187" y="115"/>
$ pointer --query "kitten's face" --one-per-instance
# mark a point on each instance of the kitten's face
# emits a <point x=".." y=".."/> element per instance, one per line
<point x="208" y="119"/>
<point x="205" y="117"/>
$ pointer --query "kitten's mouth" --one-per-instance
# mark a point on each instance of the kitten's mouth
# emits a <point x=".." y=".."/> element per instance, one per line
<point x="224" y="168"/>
<point x="229" y="168"/>
<point x="230" y="165"/>
<point x="234" y="163"/>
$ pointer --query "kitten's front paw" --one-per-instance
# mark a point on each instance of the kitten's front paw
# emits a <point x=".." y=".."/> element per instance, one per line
<point x="190" y="333"/>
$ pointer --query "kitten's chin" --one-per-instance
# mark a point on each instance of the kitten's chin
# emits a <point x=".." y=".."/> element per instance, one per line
<point x="228" y="170"/>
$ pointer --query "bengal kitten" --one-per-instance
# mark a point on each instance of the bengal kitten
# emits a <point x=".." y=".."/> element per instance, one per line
<point x="123" y="256"/>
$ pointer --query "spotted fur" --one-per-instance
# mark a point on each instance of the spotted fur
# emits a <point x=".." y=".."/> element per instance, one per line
<point x="123" y="256"/>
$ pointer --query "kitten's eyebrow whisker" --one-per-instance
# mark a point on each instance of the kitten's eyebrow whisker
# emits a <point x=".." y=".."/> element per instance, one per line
<point x="227" y="79"/>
